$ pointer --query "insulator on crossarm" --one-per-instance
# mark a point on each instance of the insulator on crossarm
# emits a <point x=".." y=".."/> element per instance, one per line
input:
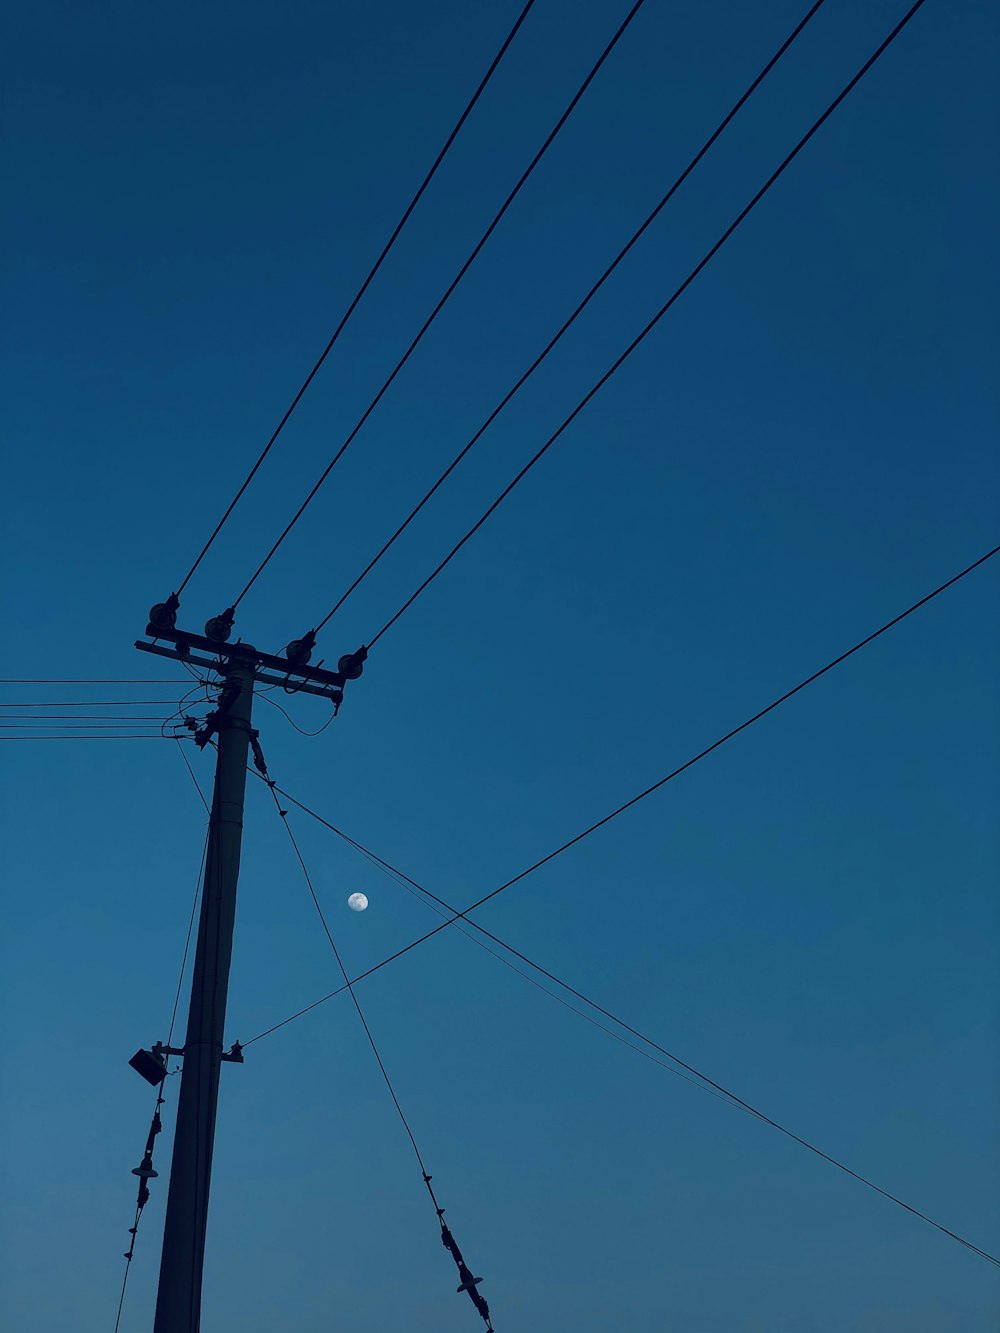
<point x="219" y="628"/>
<point x="351" y="665"/>
<point x="163" y="615"/>
<point x="299" y="651"/>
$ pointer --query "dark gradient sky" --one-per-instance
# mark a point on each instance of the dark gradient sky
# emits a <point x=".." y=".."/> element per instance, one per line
<point x="804" y="447"/>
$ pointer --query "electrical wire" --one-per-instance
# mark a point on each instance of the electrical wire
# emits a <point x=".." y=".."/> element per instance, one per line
<point x="39" y="725"/>
<point x="186" y="701"/>
<point x="302" y="732"/>
<point x="146" y="736"/>
<point x="702" y="754"/>
<point x="91" y="703"/>
<point x="143" y="1191"/>
<point x="441" y="303"/>
<point x="347" y="982"/>
<point x="703" y="1080"/>
<point x="362" y="289"/>
<point x="744" y="213"/>
<point x="187" y="938"/>
<point x="477" y="1299"/>
<point x="134" y="1228"/>
<point x="429" y="899"/>
<point x="568" y="323"/>
<point x="102" y="717"/>
<point x="194" y="779"/>
<point x="52" y="680"/>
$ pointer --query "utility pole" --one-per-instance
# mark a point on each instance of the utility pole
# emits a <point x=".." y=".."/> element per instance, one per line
<point x="178" y="1301"/>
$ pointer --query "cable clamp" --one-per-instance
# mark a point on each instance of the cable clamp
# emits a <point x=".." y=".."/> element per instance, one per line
<point x="258" y="756"/>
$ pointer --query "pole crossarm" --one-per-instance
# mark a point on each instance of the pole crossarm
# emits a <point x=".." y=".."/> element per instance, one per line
<point x="297" y="674"/>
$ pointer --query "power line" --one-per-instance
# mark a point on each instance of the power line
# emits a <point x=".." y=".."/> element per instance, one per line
<point x="450" y="289"/>
<point x="703" y="754"/>
<point x="156" y="1125"/>
<point x="706" y="146"/>
<point x="93" y="703"/>
<point x="79" y="717"/>
<point x="144" y="736"/>
<point x="348" y="985"/>
<point x="468" y="1282"/>
<point x="699" y="1079"/>
<point x="428" y="898"/>
<point x="194" y="779"/>
<point x="745" y="212"/>
<point x="53" y="680"/>
<point x="362" y="289"/>
<point x="187" y="937"/>
<point x="38" y="725"/>
<point x="301" y="730"/>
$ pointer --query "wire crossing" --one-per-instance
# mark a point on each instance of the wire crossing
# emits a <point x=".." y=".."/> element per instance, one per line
<point x="557" y="336"/>
<point x="468" y="1282"/>
<point x="448" y="292"/>
<point x="361" y="291"/>
<point x="656" y="786"/>
<point x="703" y="263"/>
<point x="692" y="1075"/>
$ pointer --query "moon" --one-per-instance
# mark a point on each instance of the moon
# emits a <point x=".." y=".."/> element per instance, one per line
<point x="357" y="902"/>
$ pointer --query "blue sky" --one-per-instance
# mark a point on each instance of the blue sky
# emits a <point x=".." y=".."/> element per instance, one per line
<point x="804" y="447"/>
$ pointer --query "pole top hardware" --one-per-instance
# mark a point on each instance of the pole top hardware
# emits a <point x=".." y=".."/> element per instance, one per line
<point x="222" y="655"/>
<point x="219" y="628"/>
<point x="351" y="665"/>
<point x="150" y="1065"/>
<point x="299" y="651"/>
<point x="163" y="615"/>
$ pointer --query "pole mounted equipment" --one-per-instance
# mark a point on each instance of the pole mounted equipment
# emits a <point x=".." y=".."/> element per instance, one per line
<point x="220" y="627"/>
<point x="299" y="651"/>
<point x="241" y="666"/>
<point x="218" y="655"/>
<point x="351" y="665"/>
<point x="163" y="615"/>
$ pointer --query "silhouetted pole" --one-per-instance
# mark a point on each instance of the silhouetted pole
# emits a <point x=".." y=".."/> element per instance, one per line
<point x="178" y="1299"/>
